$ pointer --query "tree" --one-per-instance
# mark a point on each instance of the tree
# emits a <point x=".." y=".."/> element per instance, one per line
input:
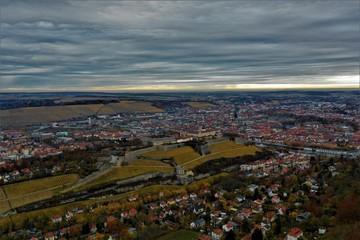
<point x="230" y="235"/>
<point x="245" y="226"/>
<point x="257" y="235"/>
<point x="278" y="226"/>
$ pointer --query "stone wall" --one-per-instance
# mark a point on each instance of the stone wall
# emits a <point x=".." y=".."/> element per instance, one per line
<point x="217" y="140"/>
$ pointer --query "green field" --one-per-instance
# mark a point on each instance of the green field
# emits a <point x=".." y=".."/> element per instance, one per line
<point x="20" y="194"/>
<point x="181" y="235"/>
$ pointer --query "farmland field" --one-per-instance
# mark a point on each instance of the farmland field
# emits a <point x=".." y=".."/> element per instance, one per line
<point x="181" y="235"/>
<point x="181" y="155"/>
<point x="129" y="107"/>
<point x="19" y="194"/>
<point x="35" y="115"/>
<point x="200" y="104"/>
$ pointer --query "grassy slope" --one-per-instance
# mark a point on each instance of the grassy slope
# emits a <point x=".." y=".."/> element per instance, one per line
<point x="181" y="235"/>
<point x="181" y="155"/>
<point x="18" y="219"/>
<point x="20" y="194"/>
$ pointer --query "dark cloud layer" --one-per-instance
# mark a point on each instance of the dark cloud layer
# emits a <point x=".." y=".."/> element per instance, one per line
<point x="114" y="45"/>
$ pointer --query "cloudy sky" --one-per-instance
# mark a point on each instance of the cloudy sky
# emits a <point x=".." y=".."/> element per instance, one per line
<point x="183" y="45"/>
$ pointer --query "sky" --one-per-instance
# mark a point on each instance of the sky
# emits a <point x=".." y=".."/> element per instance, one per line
<point x="178" y="45"/>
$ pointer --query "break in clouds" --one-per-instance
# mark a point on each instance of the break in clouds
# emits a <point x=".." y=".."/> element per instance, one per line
<point x="97" y="45"/>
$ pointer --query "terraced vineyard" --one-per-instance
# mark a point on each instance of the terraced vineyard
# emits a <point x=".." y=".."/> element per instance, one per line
<point x="237" y="152"/>
<point x="19" y="194"/>
<point x="224" y="146"/>
<point x="181" y="155"/>
<point x="134" y="169"/>
<point x="18" y="219"/>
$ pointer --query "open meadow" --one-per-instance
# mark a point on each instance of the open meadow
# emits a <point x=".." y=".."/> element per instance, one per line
<point x="20" y="194"/>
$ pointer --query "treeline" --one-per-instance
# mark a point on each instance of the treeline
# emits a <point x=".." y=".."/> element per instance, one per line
<point x="13" y="104"/>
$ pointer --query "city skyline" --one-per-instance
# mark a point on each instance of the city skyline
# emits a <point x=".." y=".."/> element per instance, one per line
<point x="178" y="46"/>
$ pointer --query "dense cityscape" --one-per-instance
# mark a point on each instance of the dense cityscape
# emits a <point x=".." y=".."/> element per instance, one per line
<point x="179" y="120"/>
<point x="277" y="158"/>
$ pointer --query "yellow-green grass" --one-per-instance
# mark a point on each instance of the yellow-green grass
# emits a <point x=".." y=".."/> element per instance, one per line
<point x="200" y="104"/>
<point x="181" y="235"/>
<point x="181" y="155"/>
<point x="129" y="106"/>
<point x="125" y="172"/>
<point x="20" y="194"/>
<point x="241" y="151"/>
<point x="18" y="219"/>
<point x="150" y="163"/>
<point x="223" y="146"/>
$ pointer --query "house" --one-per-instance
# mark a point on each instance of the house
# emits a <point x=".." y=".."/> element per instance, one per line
<point x="302" y="217"/>
<point x="294" y="234"/>
<point x="163" y="204"/>
<point x="322" y="231"/>
<point x="69" y="215"/>
<point x="171" y="201"/>
<point x="133" y="198"/>
<point x="198" y="224"/>
<point x="228" y="227"/>
<point x="271" y="216"/>
<point x="193" y="196"/>
<point x="154" y="206"/>
<point x="281" y="209"/>
<point x="49" y="236"/>
<point x="93" y="228"/>
<point x="198" y="208"/>
<point x="56" y="218"/>
<point x="204" y="237"/>
<point x="178" y="199"/>
<point x="132" y="212"/>
<point x="124" y="214"/>
<point x="63" y="231"/>
<point x="239" y="198"/>
<point x="275" y="199"/>
<point x="217" y="233"/>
